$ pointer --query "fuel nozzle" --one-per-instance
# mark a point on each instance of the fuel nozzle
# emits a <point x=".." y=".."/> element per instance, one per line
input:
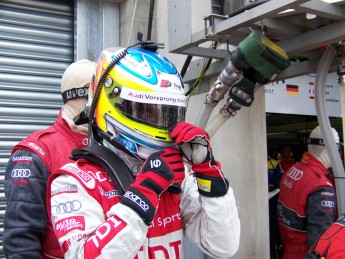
<point x="256" y="60"/>
<point x="243" y="92"/>
<point x="240" y="94"/>
<point x="260" y="60"/>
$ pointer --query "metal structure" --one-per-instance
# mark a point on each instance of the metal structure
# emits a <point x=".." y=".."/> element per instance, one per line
<point x="287" y="23"/>
<point x="38" y="40"/>
<point x="36" y="45"/>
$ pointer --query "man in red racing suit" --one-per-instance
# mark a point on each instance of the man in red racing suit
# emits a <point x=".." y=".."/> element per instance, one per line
<point x="141" y="103"/>
<point x="28" y="232"/>
<point x="91" y="222"/>
<point x="307" y="201"/>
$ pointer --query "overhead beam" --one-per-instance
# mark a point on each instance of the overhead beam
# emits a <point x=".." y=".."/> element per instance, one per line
<point x="301" y="126"/>
<point x="245" y="19"/>
<point x="295" y="40"/>
<point x="314" y="39"/>
<point x="322" y="9"/>
<point x="208" y="52"/>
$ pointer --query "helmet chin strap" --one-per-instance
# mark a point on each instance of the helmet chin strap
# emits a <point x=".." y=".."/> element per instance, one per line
<point x="111" y="142"/>
<point x="133" y="162"/>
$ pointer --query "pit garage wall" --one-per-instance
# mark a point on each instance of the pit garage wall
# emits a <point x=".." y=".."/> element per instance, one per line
<point x="240" y="144"/>
<point x="241" y="147"/>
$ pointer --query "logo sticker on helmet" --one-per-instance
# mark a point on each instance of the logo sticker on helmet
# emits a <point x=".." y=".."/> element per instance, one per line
<point x="165" y="83"/>
<point x="154" y="97"/>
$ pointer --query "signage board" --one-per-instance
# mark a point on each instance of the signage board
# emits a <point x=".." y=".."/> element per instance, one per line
<point x="297" y="96"/>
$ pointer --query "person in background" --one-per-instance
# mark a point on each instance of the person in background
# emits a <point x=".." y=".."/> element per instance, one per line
<point x="134" y="197"/>
<point x="274" y="174"/>
<point x="286" y="158"/>
<point x="307" y="201"/>
<point x="28" y="232"/>
<point x="274" y="177"/>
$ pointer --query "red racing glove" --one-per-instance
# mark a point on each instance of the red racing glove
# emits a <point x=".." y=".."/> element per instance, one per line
<point x="160" y="170"/>
<point x="196" y="147"/>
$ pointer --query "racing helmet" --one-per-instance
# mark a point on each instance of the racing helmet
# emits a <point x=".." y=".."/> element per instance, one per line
<point x="317" y="146"/>
<point x="135" y="96"/>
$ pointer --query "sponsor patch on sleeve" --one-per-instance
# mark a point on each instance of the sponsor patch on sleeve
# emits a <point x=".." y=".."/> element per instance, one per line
<point x="65" y="189"/>
<point x="83" y="176"/>
<point x="103" y="235"/>
<point x="37" y="148"/>
<point x="328" y="194"/>
<point x="204" y="185"/>
<point x="21" y="159"/>
<point x="63" y="226"/>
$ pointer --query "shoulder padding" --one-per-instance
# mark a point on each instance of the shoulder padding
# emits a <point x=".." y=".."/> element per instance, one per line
<point x="114" y="166"/>
<point x="85" y="178"/>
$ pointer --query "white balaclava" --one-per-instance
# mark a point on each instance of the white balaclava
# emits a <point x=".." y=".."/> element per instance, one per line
<point x="75" y="88"/>
<point x="318" y="151"/>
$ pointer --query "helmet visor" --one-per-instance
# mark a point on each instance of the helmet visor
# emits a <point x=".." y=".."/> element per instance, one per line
<point x="160" y="110"/>
<point x="158" y="115"/>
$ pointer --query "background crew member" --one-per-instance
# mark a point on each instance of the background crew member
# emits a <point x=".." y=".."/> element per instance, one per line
<point x="307" y="201"/>
<point x="27" y="231"/>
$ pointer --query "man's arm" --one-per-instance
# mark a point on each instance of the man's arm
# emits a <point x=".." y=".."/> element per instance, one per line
<point x="321" y="213"/>
<point x="25" y="216"/>
<point x="208" y="205"/>
<point x="86" y="232"/>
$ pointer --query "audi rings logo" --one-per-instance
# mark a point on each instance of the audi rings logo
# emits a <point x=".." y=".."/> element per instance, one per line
<point x="295" y="174"/>
<point x="20" y="173"/>
<point x="66" y="207"/>
<point x="328" y="204"/>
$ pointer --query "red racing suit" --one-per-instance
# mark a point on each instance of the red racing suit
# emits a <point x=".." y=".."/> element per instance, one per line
<point x="331" y="244"/>
<point x="286" y="164"/>
<point x="90" y="222"/>
<point x="28" y="232"/>
<point x="306" y="206"/>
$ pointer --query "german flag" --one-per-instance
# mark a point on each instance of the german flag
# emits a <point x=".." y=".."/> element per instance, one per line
<point x="311" y="91"/>
<point x="292" y="89"/>
<point x="311" y="94"/>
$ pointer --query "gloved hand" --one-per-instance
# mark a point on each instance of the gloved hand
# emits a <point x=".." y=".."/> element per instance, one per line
<point x="160" y="170"/>
<point x="196" y="147"/>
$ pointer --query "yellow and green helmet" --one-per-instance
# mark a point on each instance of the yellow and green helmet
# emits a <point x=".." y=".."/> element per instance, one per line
<point x="141" y="95"/>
